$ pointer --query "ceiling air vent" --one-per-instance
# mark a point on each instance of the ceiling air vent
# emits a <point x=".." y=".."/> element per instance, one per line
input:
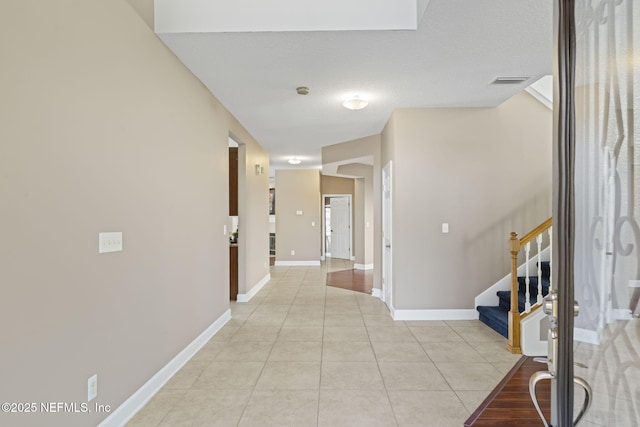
<point x="509" y="80"/>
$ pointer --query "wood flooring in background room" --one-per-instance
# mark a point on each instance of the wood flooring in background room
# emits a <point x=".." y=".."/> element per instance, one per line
<point x="355" y="280"/>
<point x="301" y="353"/>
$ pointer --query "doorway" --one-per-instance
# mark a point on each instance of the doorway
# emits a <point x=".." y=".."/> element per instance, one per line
<point x="337" y="241"/>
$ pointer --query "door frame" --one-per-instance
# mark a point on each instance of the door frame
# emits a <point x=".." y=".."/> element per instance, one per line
<point x="562" y="401"/>
<point x="324" y="222"/>
<point x="386" y="291"/>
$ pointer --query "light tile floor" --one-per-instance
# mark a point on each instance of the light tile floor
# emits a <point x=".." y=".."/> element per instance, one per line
<point x="304" y="354"/>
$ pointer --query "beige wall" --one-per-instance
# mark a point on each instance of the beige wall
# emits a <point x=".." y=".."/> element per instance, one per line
<point x="297" y="190"/>
<point x="485" y="171"/>
<point x="104" y="130"/>
<point x="336" y="185"/>
<point x="253" y="213"/>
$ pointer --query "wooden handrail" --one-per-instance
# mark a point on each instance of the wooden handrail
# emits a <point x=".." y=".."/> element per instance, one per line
<point x="533" y="233"/>
<point x="513" y="342"/>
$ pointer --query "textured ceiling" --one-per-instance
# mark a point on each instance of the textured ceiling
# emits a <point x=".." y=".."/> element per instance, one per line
<point x="459" y="48"/>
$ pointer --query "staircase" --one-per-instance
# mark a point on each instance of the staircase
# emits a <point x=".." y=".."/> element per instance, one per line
<point x="496" y="317"/>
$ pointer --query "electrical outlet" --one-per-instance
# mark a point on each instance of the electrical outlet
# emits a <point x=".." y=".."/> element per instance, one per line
<point x="92" y="388"/>
<point x="109" y="242"/>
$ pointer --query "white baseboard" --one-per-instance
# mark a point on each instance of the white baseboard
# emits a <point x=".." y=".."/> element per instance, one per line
<point x="323" y="258"/>
<point x="363" y="266"/>
<point x="311" y="263"/>
<point x="585" y="335"/>
<point x="461" y="314"/>
<point x="253" y="291"/>
<point x="137" y="400"/>
<point x="375" y="292"/>
<point x="622" y="314"/>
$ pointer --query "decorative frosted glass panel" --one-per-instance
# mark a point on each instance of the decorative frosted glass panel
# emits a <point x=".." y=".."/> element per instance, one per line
<point x="607" y="266"/>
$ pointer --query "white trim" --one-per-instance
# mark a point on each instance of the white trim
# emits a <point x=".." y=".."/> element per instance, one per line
<point x="455" y="314"/>
<point x="386" y="267"/>
<point x="256" y="288"/>
<point x="137" y="400"/>
<point x="375" y="292"/>
<point x="533" y="341"/>
<point x="542" y="90"/>
<point x="622" y="314"/>
<point x="634" y="283"/>
<point x="353" y="258"/>
<point x="363" y="266"/>
<point x="311" y="263"/>
<point x="322" y="258"/>
<point x="540" y="97"/>
<point x="585" y="335"/>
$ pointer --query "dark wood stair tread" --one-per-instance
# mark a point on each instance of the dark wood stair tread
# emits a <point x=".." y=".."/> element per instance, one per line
<point x="509" y="404"/>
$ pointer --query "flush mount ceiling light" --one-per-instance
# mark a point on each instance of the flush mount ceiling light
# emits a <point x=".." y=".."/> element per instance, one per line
<point x="295" y="161"/>
<point x="302" y="90"/>
<point x="355" y="103"/>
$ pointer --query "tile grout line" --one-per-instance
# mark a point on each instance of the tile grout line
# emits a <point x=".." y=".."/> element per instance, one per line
<point x="384" y="384"/>
<point x="253" y="390"/>
<point x="324" y="319"/>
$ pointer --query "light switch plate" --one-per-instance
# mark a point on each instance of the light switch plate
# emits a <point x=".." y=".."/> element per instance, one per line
<point x="92" y="388"/>
<point x="298" y="212"/>
<point x="445" y="227"/>
<point x="109" y="242"/>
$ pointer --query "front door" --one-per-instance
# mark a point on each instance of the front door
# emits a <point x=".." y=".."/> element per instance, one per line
<point x="597" y="212"/>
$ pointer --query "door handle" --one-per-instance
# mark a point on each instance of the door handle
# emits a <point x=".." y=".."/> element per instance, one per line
<point x="550" y="307"/>
<point x="545" y="375"/>
<point x="533" y="381"/>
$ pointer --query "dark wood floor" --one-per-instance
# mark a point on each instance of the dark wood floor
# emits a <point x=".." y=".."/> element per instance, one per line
<point x="355" y="280"/>
<point x="510" y="405"/>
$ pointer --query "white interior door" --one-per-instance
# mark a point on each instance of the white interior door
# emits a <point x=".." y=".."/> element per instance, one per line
<point x="340" y="224"/>
<point x="387" y="284"/>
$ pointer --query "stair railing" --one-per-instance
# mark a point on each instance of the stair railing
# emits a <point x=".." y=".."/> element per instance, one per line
<point x="515" y="246"/>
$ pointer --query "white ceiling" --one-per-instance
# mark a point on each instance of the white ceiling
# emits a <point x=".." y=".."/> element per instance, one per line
<point x="459" y="48"/>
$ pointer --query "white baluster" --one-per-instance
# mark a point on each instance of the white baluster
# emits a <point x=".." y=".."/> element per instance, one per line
<point x="539" y="242"/>
<point x="527" y="303"/>
<point x="550" y="231"/>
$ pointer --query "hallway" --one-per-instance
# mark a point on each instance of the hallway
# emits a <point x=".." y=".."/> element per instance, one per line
<point x="301" y="353"/>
